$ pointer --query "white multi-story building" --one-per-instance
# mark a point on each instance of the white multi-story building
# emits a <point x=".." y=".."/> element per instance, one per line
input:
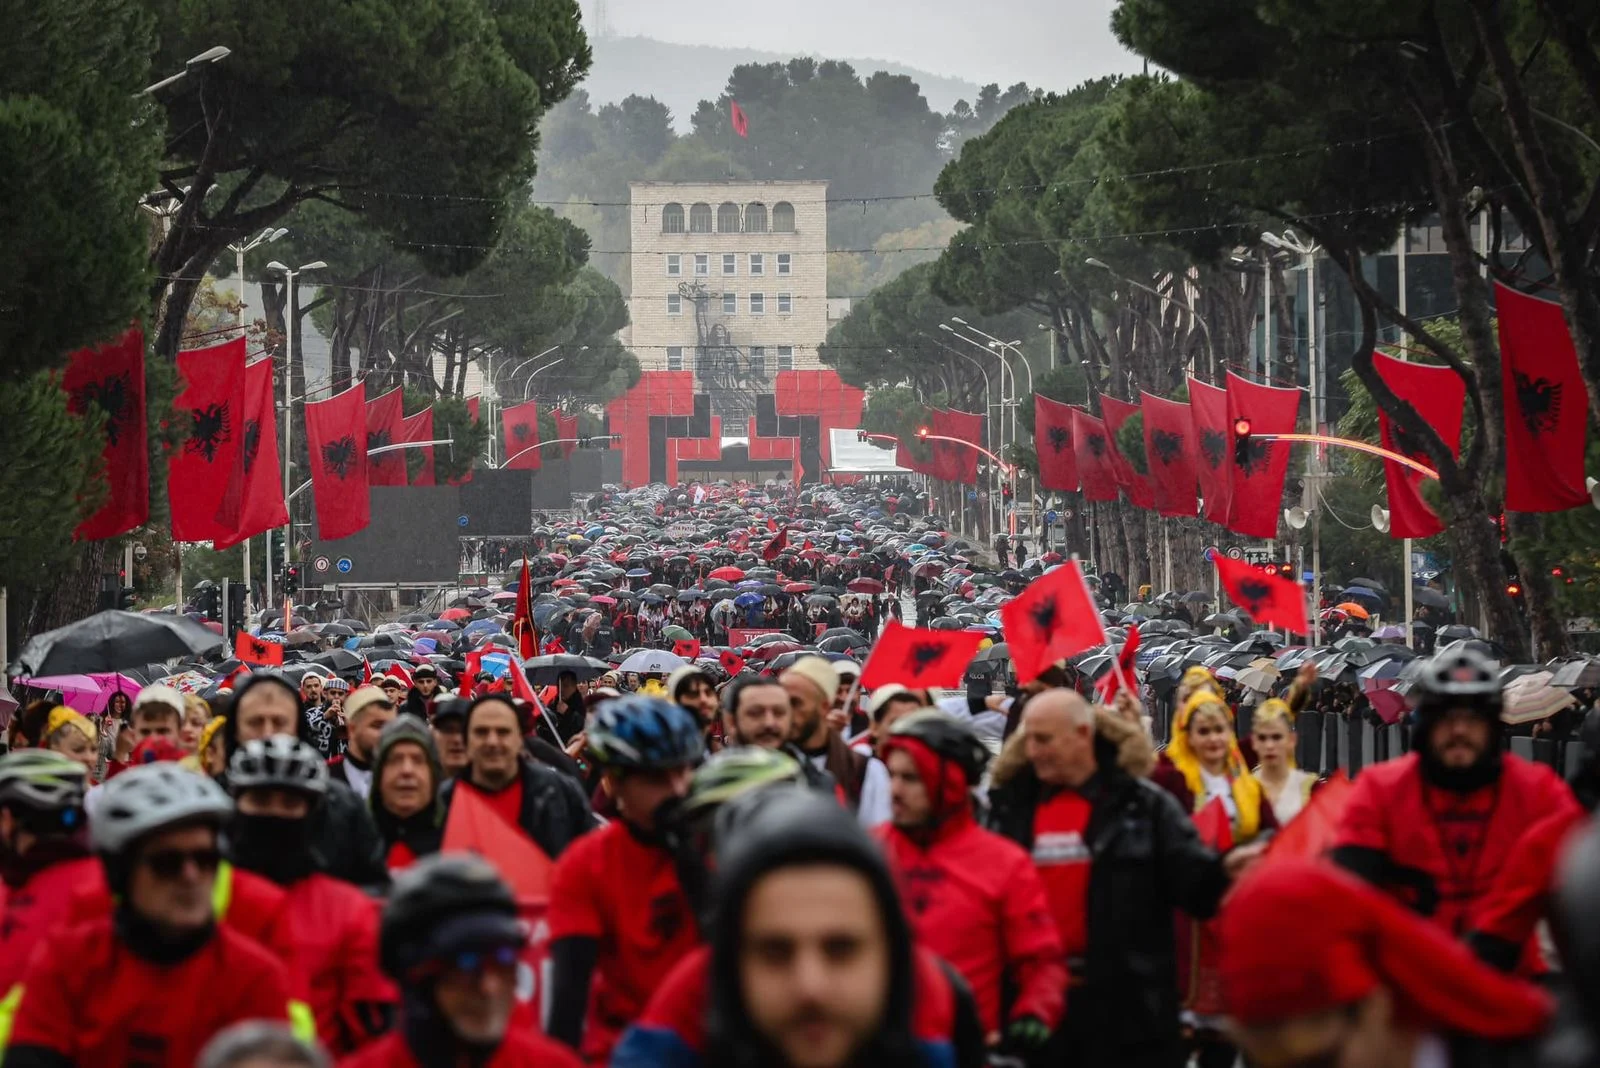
<point x="729" y="280"/>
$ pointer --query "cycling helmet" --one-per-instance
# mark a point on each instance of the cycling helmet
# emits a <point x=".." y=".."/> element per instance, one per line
<point x="1460" y="677"/>
<point x="150" y="798"/>
<point x="42" y="780"/>
<point x="949" y="739"/>
<point x="440" y="903"/>
<point x="645" y="734"/>
<point x="282" y="762"/>
<point x="732" y="772"/>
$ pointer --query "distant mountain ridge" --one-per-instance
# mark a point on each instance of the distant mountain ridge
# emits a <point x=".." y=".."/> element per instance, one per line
<point x="682" y="75"/>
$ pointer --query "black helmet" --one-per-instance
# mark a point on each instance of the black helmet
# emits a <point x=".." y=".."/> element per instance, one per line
<point x="442" y="904"/>
<point x="950" y="739"/>
<point x="1458" y="678"/>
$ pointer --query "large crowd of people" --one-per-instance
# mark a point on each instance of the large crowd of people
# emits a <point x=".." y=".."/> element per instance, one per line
<point x="418" y="844"/>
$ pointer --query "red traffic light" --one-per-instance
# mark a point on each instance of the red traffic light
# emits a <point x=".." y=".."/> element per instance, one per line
<point x="1514" y="589"/>
<point x="1241" y="428"/>
<point x="1555" y="572"/>
<point x="922" y="431"/>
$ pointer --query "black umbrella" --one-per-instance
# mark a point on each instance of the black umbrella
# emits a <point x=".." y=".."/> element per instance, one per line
<point x="1428" y="597"/>
<point x="544" y="670"/>
<point x="1196" y="598"/>
<point x="338" y="660"/>
<point x="110" y="640"/>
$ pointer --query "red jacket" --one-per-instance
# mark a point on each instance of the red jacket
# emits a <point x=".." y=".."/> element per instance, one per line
<point x="38" y="907"/>
<point x="521" y="1049"/>
<point x="976" y="900"/>
<point x="1504" y="920"/>
<point x="336" y="949"/>
<point x="89" y="1001"/>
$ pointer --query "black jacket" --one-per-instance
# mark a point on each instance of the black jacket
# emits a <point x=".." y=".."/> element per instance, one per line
<point x="347" y="842"/>
<point x="554" y="810"/>
<point x="1147" y="861"/>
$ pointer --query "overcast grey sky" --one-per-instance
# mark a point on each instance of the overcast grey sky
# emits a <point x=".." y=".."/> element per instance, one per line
<point x="1051" y="43"/>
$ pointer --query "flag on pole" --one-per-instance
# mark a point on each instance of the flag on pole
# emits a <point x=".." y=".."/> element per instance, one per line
<point x="252" y="650"/>
<point x="1266" y="599"/>
<point x="741" y="123"/>
<point x="1053" y="619"/>
<point x="918" y="659"/>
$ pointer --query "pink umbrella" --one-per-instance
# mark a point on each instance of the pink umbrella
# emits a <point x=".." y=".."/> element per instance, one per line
<point x="88" y="693"/>
<point x="455" y="613"/>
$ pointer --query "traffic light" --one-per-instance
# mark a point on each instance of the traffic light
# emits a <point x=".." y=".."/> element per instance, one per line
<point x="1285" y="570"/>
<point x="922" y="431"/>
<point x="1241" y="442"/>
<point x="126" y="598"/>
<point x="1514" y="590"/>
<point x="208" y="598"/>
<point x="236" y="593"/>
<point x="291" y="580"/>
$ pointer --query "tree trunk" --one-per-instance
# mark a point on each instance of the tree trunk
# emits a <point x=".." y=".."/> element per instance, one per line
<point x="70" y="594"/>
<point x="1544" y="615"/>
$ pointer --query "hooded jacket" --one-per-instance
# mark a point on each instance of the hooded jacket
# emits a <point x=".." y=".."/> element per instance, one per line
<point x="418" y="835"/>
<point x="1145" y="861"/>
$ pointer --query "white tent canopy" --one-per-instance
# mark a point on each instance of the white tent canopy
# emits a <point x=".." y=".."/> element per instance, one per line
<point x="854" y="457"/>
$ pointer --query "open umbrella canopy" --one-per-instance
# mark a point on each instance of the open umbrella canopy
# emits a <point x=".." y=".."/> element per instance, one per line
<point x="1532" y="697"/>
<point x="1350" y="608"/>
<point x="545" y="670"/>
<point x="1582" y="672"/>
<point x="111" y="640"/>
<point x="652" y="662"/>
<point x="1428" y="597"/>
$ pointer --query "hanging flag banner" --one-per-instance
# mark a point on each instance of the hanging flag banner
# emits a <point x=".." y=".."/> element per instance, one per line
<point x="1093" y="453"/>
<point x="1255" y="478"/>
<point x="521" y="427"/>
<point x="1208" y="416"/>
<point x="1438" y="394"/>
<point x="418" y="427"/>
<point x="960" y="461"/>
<point x="385" y="422"/>
<point x="210" y="413"/>
<point x="741" y="121"/>
<point x="110" y="378"/>
<point x="1271" y="600"/>
<point x="336" y="433"/>
<point x="566" y="431"/>
<point x="253" y="503"/>
<point x="1052" y="441"/>
<point x="1136" y="486"/>
<point x="1170" y="449"/>
<point x="1546" y="405"/>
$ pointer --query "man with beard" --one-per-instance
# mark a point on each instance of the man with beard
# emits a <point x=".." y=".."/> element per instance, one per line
<point x="691" y="687"/>
<point x="813" y="685"/>
<point x="367" y="712"/>
<point x="449" y="727"/>
<point x="1434" y="826"/>
<point x="424" y="688"/>
<point x="757" y="711"/>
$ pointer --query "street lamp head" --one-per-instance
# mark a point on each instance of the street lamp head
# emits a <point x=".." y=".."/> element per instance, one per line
<point x="1100" y="264"/>
<point x="279" y="232"/>
<point x="1272" y="239"/>
<point x="210" y="55"/>
<point x="947" y="328"/>
<point x="277" y="266"/>
<point x="314" y="265"/>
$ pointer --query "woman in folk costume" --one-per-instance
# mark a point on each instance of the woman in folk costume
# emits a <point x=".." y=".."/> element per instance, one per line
<point x="1202" y="765"/>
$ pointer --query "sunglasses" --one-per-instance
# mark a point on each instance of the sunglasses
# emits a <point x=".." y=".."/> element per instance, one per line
<point x="474" y="963"/>
<point x="170" y="863"/>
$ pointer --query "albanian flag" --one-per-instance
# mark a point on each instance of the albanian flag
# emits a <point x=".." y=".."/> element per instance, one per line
<point x="419" y="427"/>
<point x="336" y="436"/>
<point x="731" y="662"/>
<point x="741" y="122"/>
<point x="385" y="422"/>
<point x="1437" y="393"/>
<point x="1255" y="485"/>
<point x="1137" y="486"/>
<point x="919" y="658"/>
<point x="688" y="648"/>
<point x="253" y="502"/>
<point x="253" y="650"/>
<point x="1547" y="410"/>
<point x="521" y="426"/>
<point x="566" y="428"/>
<point x="1093" y="453"/>
<point x="210" y="413"/>
<point x="110" y="377"/>
<point x="1169" y="448"/>
<point x="522" y="619"/>
<point x="1121" y="676"/>
<point x="1053" y="619"/>
<point x="959" y="463"/>
<point x="776" y="545"/>
<point x="1208" y="415"/>
<point x="1052" y="440"/>
<point x="1268" y="599"/>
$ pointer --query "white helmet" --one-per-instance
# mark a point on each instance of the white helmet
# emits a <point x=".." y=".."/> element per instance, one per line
<point x="282" y="761"/>
<point x="150" y="797"/>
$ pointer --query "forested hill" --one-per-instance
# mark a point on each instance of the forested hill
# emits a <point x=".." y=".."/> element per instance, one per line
<point x="682" y="75"/>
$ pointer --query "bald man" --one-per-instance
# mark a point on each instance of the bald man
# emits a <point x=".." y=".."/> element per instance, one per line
<point x="1116" y="855"/>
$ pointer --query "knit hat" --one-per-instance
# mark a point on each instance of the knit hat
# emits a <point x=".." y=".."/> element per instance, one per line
<point x="1301" y="938"/>
<point x="362" y="698"/>
<point x="336" y="684"/>
<point x="406" y="728"/>
<point x="159" y="694"/>
<point x="819" y="672"/>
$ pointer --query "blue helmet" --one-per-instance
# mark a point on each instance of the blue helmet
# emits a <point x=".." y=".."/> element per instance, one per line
<point x="640" y="733"/>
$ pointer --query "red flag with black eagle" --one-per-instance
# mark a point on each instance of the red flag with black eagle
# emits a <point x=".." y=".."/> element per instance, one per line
<point x="1053" y="619"/>
<point x="469" y="673"/>
<point x="413" y="428"/>
<point x="1268" y="599"/>
<point x="688" y="648"/>
<point x="1093" y="453"/>
<point x="1437" y="393"/>
<point x="566" y="430"/>
<point x="776" y="545"/>
<point x="522" y="620"/>
<point x="252" y="650"/>
<point x="336" y="438"/>
<point x="1169" y="449"/>
<point x="741" y="121"/>
<point x="1255" y="480"/>
<point x="1121" y="676"/>
<point x="111" y="377"/>
<point x="253" y="502"/>
<point x="731" y="662"/>
<point x="1137" y="486"/>
<point x="1546" y="406"/>
<point x="385" y="427"/>
<point x="919" y="658"/>
<point x="1052" y="441"/>
<point x="957" y="462"/>
<point x="1208" y="417"/>
<point x="210" y="413"/>
<point x="521" y="428"/>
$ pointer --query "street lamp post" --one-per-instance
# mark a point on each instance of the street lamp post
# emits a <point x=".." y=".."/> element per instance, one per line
<point x="988" y="404"/>
<point x="999" y="427"/>
<point x="239" y="248"/>
<point x="210" y="55"/>
<point x="289" y="276"/>
<point x="1002" y="347"/>
<point x="1205" y="327"/>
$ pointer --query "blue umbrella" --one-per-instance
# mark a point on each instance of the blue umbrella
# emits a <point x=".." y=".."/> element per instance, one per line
<point x="750" y="584"/>
<point x="426" y="645"/>
<point x="496" y="664"/>
<point x="480" y="625"/>
<point x="441" y="624"/>
<point x="638" y="572"/>
<point x="746" y="600"/>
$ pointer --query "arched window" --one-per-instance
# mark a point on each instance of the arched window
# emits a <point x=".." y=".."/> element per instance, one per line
<point x="700" y="219"/>
<point x="783" y="217"/>
<point x="728" y="219"/>
<point x="755" y="218"/>
<point x="672" y="219"/>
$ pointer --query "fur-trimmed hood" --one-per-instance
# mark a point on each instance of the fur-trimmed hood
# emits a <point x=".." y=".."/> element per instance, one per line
<point x="1130" y="742"/>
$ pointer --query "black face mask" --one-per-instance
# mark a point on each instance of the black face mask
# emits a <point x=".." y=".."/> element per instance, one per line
<point x="275" y="847"/>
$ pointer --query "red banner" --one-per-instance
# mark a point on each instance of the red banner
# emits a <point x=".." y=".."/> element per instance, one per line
<point x="419" y="427"/>
<point x="566" y="430"/>
<point x="1546" y="406"/>
<point x="742" y="635"/>
<point x="1093" y="453"/>
<point x="1208" y="417"/>
<point x="253" y="502"/>
<point x="1169" y="448"/>
<point x="1053" y="619"/>
<point x="249" y="649"/>
<point x="1255" y="485"/>
<point x="385" y="422"/>
<point x="1052" y="440"/>
<point x="959" y="461"/>
<point x="1268" y="599"/>
<point x="111" y="377"/>
<point x="1437" y="393"/>
<point x="210" y="414"/>
<point x="1116" y="412"/>
<point x="336" y="434"/>
<point x="521" y="428"/>
<point x="919" y="658"/>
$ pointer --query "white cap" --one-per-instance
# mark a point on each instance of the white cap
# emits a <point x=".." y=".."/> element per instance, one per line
<point x="158" y="694"/>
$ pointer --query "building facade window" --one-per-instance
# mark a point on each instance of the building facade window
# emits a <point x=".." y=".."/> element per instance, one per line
<point x="758" y="264"/>
<point x="758" y="304"/>
<point x="758" y="361"/>
<point x="700" y="219"/>
<point x="728" y="219"/>
<point x="730" y="263"/>
<point x="786" y="357"/>
<point x="674" y="303"/>
<point x="730" y="304"/>
<point x="755" y="218"/>
<point x="674" y="357"/>
<point x="783" y="217"/>
<point x="785" y="264"/>
<point x="674" y="265"/>
<point x="702" y="265"/>
<point x="785" y="303"/>
<point x="672" y="219"/>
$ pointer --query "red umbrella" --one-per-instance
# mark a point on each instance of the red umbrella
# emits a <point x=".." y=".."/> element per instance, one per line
<point x="772" y="649"/>
<point x="603" y="600"/>
<point x="799" y="587"/>
<point x="727" y="574"/>
<point x="559" y="559"/>
<point x="455" y="613"/>
<point x="865" y="585"/>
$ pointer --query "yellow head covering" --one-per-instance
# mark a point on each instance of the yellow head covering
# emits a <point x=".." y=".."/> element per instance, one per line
<point x="1246" y="790"/>
<point x="62" y="716"/>
<point x="209" y="732"/>
<point x="1196" y="679"/>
